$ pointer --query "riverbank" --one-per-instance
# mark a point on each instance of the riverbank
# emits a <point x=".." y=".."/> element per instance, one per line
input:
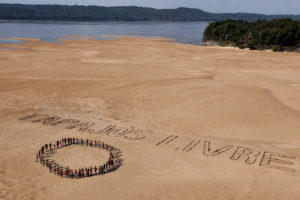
<point x="277" y="35"/>
<point x="212" y="43"/>
<point x="191" y="122"/>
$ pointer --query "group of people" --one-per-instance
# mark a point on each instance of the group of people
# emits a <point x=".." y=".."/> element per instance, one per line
<point x="42" y="157"/>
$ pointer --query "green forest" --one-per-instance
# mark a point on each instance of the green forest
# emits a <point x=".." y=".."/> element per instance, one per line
<point x="277" y="34"/>
<point x="131" y="13"/>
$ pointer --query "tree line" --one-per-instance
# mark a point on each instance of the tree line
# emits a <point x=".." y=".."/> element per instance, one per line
<point x="130" y="13"/>
<point x="277" y="34"/>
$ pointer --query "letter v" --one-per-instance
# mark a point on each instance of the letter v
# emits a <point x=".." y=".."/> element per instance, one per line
<point x="207" y="151"/>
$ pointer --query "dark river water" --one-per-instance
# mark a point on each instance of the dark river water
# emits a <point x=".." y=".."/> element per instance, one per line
<point x="183" y="32"/>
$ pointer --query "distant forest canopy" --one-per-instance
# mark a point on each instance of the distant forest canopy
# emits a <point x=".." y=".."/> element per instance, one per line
<point x="131" y="13"/>
<point x="278" y="34"/>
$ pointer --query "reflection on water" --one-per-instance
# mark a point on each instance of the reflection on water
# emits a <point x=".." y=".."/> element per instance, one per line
<point x="10" y="41"/>
<point x="2" y="48"/>
<point x="184" y="32"/>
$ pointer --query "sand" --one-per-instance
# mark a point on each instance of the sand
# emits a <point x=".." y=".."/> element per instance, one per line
<point x="191" y="122"/>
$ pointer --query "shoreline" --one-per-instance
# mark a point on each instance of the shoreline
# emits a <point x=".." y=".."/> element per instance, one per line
<point x="61" y="40"/>
<point x="211" y="43"/>
<point x="191" y="122"/>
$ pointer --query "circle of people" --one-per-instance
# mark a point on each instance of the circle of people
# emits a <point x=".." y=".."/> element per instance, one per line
<point x="77" y="173"/>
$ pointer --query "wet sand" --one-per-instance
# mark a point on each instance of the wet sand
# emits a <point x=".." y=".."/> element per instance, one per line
<point x="191" y="122"/>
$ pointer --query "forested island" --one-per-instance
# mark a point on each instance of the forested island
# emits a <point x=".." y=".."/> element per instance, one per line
<point x="123" y="13"/>
<point x="277" y="34"/>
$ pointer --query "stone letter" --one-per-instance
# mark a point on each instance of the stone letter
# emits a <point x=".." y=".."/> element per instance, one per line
<point x="167" y="140"/>
<point x="32" y="116"/>
<point x="190" y="146"/>
<point x="119" y="131"/>
<point x="137" y="135"/>
<point x="105" y="130"/>
<point x="67" y="121"/>
<point x="209" y="153"/>
<point x="46" y="120"/>
<point x="269" y="158"/>
<point x="82" y="127"/>
<point x="250" y="154"/>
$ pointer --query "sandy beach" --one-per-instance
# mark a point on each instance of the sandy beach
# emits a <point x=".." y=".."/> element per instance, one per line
<point x="201" y="122"/>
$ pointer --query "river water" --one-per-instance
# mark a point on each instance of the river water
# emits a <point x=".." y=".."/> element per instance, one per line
<point x="183" y="32"/>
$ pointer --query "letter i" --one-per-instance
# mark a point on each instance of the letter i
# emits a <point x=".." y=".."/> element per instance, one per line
<point x="167" y="140"/>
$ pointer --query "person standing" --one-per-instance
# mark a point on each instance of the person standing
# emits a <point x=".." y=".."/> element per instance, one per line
<point x="57" y="171"/>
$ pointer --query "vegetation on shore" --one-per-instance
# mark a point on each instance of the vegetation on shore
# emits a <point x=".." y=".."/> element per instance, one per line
<point x="122" y="13"/>
<point x="278" y="34"/>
